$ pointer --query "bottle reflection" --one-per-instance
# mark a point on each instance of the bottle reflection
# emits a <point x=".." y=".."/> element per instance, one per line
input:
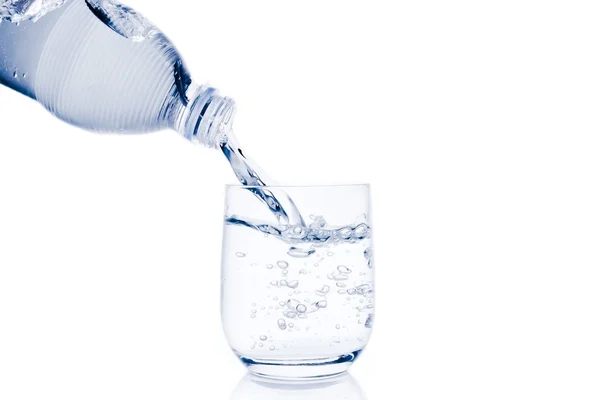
<point x="344" y="387"/>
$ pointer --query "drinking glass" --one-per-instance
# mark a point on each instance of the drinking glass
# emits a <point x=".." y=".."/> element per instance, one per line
<point x="297" y="301"/>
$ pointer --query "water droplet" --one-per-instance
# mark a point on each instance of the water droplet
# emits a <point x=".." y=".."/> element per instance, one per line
<point x="340" y="277"/>
<point x="363" y="288"/>
<point x="282" y="325"/>
<point x="283" y="282"/>
<point x="263" y="337"/>
<point x="240" y="254"/>
<point x="269" y="266"/>
<point x="24" y="74"/>
<point x="369" y="323"/>
<point x="274" y="283"/>
<point x="321" y="304"/>
<point x="344" y="270"/>
<point x="300" y="253"/>
<point x="293" y="284"/>
<point x="252" y="315"/>
<point x="253" y="311"/>
<point x="284" y="272"/>
<point x="260" y="345"/>
<point x="351" y="291"/>
<point x="291" y="324"/>
<point x="330" y="253"/>
<point x="336" y="340"/>
<point x="282" y="303"/>
<point x="275" y="298"/>
<point x="253" y="346"/>
<point x="282" y="264"/>
<point x="290" y="314"/>
<point x="340" y="284"/>
<point x="341" y="291"/>
<point x="272" y="348"/>
<point x="16" y="74"/>
<point x="337" y="327"/>
<point x="301" y="308"/>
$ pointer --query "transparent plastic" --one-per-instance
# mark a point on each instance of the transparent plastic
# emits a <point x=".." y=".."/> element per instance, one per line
<point x="102" y="66"/>
<point x="298" y="301"/>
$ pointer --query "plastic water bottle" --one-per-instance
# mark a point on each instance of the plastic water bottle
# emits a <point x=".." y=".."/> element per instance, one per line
<point x="102" y="66"/>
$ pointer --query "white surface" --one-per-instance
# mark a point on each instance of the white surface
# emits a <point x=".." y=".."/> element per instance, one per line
<point x="477" y="124"/>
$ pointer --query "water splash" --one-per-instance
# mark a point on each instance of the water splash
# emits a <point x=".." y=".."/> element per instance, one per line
<point x="27" y="10"/>
<point x="123" y="20"/>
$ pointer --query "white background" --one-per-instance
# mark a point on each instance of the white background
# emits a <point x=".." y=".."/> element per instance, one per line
<point x="477" y="124"/>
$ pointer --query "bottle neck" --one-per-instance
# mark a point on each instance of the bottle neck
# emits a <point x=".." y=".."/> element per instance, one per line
<point x="207" y="117"/>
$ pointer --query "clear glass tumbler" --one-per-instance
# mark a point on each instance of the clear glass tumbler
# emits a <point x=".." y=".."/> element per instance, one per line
<point x="298" y="301"/>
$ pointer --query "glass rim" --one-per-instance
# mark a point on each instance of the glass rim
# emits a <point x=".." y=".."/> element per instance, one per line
<point x="299" y="186"/>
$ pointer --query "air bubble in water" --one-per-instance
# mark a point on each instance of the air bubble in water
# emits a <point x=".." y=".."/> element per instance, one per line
<point x="369" y="323"/>
<point x="282" y="264"/>
<point x="293" y="284"/>
<point x="363" y="289"/>
<point x="301" y="308"/>
<point x="323" y="291"/>
<point x="282" y="325"/>
<point x="240" y="254"/>
<point x="269" y="266"/>
<point x="290" y="314"/>
<point x="283" y="282"/>
<point x="272" y="348"/>
<point x="284" y="272"/>
<point x="291" y="324"/>
<point x="340" y="284"/>
<point x="322" y="304"/>
<point x="16" y="74"/>
<point x="337" y="327"/>
<point x="300" y="253"/>
<point x="263" y="338"/>
<point x="344" y="270"/>
<point x="351" y="291"/>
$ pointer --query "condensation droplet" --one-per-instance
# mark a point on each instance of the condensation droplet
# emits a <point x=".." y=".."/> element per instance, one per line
<point x="282" y="264"/>
<point x="240" y="254"/>
<point x="263" y="337"/>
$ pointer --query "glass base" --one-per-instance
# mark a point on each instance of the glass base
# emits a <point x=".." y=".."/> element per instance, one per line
<point x="300" y="369"/>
